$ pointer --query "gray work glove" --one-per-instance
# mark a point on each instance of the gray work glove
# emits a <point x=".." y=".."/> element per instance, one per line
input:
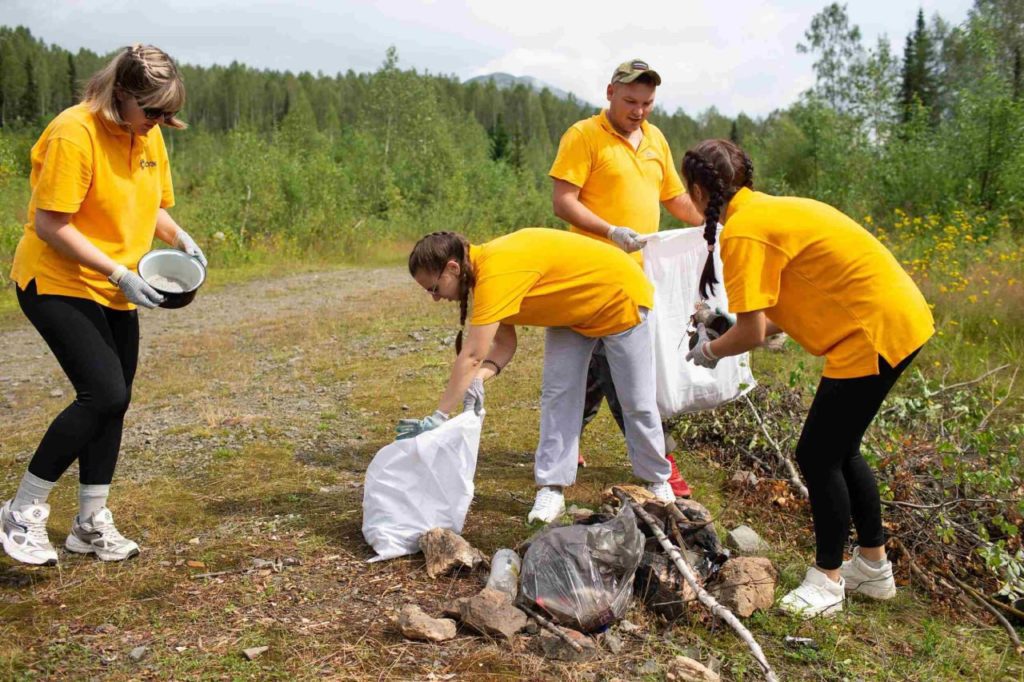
<point x="184" y="242"/>
<point x="474" y="398"/>
<point x="135" y="289"/>
<point x="410" y="428"/>
<point x="626" y="239"/>
<point x="701" y="354"/>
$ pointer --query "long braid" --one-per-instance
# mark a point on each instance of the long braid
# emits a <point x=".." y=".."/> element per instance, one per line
<point x="704" y="174"/>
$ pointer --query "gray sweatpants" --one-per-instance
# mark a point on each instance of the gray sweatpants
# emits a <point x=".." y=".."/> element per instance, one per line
<point x="631" y="360"/>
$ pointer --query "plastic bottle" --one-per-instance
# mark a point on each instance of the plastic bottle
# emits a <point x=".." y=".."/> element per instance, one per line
<point x="505" y="572"/>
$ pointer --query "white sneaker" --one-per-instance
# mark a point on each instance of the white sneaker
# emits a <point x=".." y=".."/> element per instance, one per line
<point x="662" y="491"/>
<point x="24" y="534"/>
<point x="99" y="535"/>
<point x="549" y="505"/>
<point x="816" y="596"/>
<point x="860" y="578"/>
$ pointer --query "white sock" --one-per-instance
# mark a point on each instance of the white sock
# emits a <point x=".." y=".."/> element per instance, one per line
<point x="874" y="564"/>
<point x="31" y="490"/>
<point x="91" y="498"/>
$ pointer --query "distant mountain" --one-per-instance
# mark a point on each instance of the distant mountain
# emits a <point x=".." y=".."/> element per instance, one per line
<point x="507" y="80"/>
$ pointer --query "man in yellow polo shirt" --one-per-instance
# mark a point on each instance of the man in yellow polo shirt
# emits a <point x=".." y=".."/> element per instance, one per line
<point x="612" y="174"/>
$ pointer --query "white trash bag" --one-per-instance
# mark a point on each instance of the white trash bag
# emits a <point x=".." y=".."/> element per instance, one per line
<point x="673" y="261"/>
<point x="420" y="483"/>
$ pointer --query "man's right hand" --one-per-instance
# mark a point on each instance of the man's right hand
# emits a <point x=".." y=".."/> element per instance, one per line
<point x="136" y="290"/>
<point x="626" y="239"/>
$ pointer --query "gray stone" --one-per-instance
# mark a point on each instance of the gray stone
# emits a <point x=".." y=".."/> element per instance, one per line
<point x="415" y="624"/>
<point x="138" y="652"/>
<point x="254" y="652"/>
<point x="629" y="627"/>
<point x="491" y="613"/>
<point x="556" y="648"/>
<point x="745" y="584"/>
<point x="648" y="667"/>
<point x="743" y="479"/>
<point x="56" y="393"/>
<point x="688" y="670"/>
<point x="744" y="539"/>
<point x="446" y="551"/>
<point x="613" y="642"/>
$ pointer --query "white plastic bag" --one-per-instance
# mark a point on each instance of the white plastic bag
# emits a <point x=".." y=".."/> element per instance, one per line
<point x="673" y="261"/>
<point x="420" y="483"/>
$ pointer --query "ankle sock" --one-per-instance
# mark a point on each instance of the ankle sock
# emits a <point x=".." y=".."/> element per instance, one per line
<point x="31" y="490"/>
<point x="873" y="564"/>
<point x="91" y="498"/>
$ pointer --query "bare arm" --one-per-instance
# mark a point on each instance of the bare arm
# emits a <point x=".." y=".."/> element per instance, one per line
<point x="504" y="348"/>
<point x="475" y="350"/>
<point x="748" y="333"/>
<point x="56" y="230"/>
<point x="166" y="227"/>
<point x="682" y="207"/>
<point x="565" y="200"/>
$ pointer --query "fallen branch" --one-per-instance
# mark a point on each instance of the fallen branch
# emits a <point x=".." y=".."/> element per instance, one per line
<point x="1009" y="391"/>
<point x="702" y="594"/>
<point x="547" y="624"/>
<point x="794" y="475"/>
<point x="990" y="605"/>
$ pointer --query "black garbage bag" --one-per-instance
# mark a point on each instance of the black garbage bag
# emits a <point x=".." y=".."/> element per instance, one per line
<point x="581" y="576"/>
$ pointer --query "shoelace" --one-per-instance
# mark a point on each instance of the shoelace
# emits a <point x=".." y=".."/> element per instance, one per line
<point x="109" y="532"/>
<point x="547" y="498"/>
<point x="36" y="531"/>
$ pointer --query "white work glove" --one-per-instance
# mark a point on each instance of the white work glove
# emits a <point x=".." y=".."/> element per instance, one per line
<point x="184" y="242"/>
<point x="701" y="354"/>
<point x="474" y="398"/>
<point x="626" y="239"/>
<point x="410" y="428"/>
<point x="135" y="288"/>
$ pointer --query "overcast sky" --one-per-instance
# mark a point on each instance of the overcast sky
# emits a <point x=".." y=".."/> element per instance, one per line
<point x="738" y="55"/>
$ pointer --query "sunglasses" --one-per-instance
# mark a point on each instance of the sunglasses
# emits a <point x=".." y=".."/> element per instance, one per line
<point x="153" y="113"/>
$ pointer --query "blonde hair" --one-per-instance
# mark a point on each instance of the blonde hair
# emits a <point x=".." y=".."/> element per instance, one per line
<point x="141" y="71"/>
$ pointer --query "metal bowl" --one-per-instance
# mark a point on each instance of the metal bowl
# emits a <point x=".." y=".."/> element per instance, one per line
<point x="173" y="273"/>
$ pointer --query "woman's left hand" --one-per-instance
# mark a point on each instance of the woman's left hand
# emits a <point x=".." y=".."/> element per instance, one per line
<point x="410" y="428"/>
<point x="701" y="354"/>
<point x="184" y="242"/>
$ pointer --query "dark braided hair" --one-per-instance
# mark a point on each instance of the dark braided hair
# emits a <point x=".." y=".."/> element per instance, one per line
<point x="432" y="253"/>
<point x="720" y="169"/>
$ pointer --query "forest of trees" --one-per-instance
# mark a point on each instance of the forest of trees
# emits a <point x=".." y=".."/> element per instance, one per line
<point x="333" y="158"/>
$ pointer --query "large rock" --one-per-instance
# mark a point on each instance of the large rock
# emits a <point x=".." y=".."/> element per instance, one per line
<point x="554" y="647"/>
<point x="745" y="584"/>
<point x="744" y="539"/>
<point x="445" y="552"/>
<point x="415" y="624"/>
<point x="689" y="670"/>
<point x="491" y="613"/>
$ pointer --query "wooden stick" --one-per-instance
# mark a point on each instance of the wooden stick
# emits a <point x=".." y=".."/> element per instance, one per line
<point x="702" y="594"/>
<point x="794" y="475"/>
<point x="545" y="623"/>
<point x="1002" y="621"/>
<point x="1009" y="391"/>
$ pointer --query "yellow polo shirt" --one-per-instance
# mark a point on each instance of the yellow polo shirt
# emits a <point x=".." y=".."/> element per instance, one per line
<point x="621" y="185"/>
<point x="824" y="279"/>
<point x="112" y="183"/>
<point x="552" y="278"/>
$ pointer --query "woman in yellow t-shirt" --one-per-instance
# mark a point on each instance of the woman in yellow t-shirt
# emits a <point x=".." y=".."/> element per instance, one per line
<point x="101" y="184"/>
<point x="582" y="291"/>
<point x="802" y="267"/>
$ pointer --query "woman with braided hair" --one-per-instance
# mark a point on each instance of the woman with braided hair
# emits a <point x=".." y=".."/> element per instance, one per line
<point x="101" y="187"/>
<point x="803" y="267"/>
<point x="582" y="291"/>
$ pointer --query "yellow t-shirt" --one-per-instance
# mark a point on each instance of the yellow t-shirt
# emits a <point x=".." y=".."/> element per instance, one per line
<point x="621" y="185"/>
<point x="824" y="279"/>
<point x="112" y="183"/>
<point x="551" y="278"/>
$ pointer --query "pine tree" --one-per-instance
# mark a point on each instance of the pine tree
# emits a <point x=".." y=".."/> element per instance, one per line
<point x="920" y="82"/>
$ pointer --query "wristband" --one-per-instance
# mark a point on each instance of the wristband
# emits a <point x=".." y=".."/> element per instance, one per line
<point x="497" y="370"/>
<point x="119" y="272"/>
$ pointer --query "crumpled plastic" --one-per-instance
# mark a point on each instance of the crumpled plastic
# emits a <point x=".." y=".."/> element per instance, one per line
<point x="582" y="576"/>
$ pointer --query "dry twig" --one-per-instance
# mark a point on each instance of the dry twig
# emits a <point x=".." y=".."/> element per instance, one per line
<point x="702" y="594"/>
<point x="794" y="476"/>
<point x="547" y="624"/>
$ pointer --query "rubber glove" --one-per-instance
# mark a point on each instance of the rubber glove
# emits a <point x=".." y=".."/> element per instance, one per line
<point x="626" y="239"/>
<point x="701" y="354"/>
<point x="474" y="398"/>
<point x="410" y="428"/>
<point x="184" y="242"/>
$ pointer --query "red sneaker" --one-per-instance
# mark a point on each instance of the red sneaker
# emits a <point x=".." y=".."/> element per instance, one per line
<point x="580" y="462"/>
<point x="679" y="486"/>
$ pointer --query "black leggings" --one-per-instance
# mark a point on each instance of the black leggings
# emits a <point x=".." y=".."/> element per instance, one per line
<point x="600" y="387"/>
<point x="98" y="348"/>
<point x="840" y="482"/>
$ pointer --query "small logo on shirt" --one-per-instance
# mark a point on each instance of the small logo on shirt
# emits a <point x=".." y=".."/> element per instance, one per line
<point x="143" y="164"/>
<point x="651" y="154"/>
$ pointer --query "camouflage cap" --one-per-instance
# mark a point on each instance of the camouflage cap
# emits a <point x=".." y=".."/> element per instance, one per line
<point x="627" y="72"/>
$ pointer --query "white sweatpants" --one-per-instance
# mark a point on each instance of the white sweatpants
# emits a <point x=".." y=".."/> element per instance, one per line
<point x="631" y="360"/>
